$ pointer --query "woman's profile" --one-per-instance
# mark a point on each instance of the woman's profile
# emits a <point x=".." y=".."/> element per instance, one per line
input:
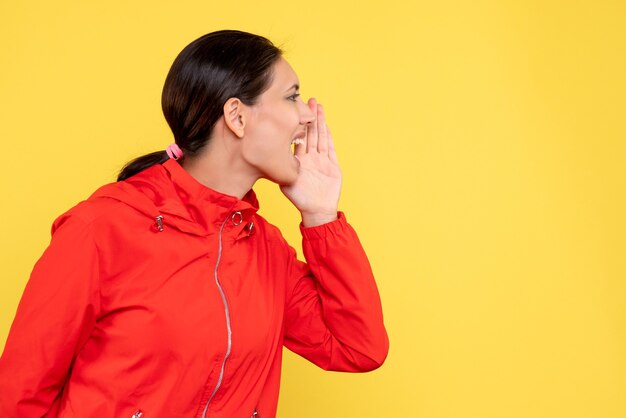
<point x="165" y="294"/>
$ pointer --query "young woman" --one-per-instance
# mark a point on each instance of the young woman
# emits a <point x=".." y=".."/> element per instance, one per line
<point x="165" y="294"/>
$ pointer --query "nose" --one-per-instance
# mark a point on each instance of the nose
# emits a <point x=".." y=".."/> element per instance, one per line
<point x="306" y="114"/>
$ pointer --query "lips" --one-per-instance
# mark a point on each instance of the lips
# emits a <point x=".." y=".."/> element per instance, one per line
<point x="294" y="142"/>
<point x="298" y="139"/>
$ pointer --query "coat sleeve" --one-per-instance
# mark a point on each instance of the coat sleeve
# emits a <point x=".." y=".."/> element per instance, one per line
<point x="54" y="318"/>
<point x="333" y="315"/>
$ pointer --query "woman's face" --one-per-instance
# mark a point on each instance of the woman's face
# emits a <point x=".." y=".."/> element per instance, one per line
<point x="277" y="119"/>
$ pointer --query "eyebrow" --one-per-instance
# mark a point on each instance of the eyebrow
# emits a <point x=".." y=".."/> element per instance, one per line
<point x="295" y="86"/>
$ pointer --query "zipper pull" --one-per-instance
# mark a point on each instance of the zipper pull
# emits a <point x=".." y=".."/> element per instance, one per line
<point x="255" y="414"/>
<point x="138" y="414"/>
<point x="159" y="225"/>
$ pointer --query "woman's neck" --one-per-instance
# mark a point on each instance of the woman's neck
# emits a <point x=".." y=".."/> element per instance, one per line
<point x="217" y="168"/>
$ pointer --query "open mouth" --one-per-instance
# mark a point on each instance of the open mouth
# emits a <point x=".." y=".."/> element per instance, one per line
<point x="294" y="142"/>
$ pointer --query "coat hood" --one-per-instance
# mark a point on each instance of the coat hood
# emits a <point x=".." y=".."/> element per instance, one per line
<point x="168" y="192"/>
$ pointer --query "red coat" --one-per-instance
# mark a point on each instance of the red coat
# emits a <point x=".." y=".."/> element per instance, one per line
<point x="159" y="297"/>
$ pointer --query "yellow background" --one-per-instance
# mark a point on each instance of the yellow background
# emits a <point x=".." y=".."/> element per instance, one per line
<point x="483" y="150"/>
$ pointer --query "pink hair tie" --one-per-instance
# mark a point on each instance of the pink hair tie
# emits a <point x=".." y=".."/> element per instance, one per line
<point x="174" y="151"/>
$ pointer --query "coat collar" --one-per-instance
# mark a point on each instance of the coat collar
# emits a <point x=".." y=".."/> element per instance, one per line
<point x="168" y="191"/>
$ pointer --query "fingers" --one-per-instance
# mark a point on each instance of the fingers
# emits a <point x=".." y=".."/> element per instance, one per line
<point x="311" y="130"/>
<point x="331" y="148"/>
<point x="318" y="136"/>
<point x="322" y="131"/>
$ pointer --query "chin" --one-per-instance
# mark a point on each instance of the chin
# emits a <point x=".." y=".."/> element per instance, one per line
<point x="289" y="174"/>
<point x="286" y="178"/>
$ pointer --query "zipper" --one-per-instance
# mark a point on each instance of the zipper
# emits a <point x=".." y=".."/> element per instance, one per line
<point x="159" y="222"/>
<point x="227" y="312"/>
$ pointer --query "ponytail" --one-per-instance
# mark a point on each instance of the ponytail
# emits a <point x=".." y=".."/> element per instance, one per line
<point x="141" y="163"/>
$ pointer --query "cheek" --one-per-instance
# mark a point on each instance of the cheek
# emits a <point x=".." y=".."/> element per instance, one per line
<point x="277" y="128"/>
<point x="264" y="144"/>
<point x="271" y="131"/>
<point x="284" y="115"/>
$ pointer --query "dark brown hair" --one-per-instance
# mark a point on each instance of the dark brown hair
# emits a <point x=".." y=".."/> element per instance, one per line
<point x="206" y="73"/>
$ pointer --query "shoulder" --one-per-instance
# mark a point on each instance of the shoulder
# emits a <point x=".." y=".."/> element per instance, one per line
<point x="270" y="232"/>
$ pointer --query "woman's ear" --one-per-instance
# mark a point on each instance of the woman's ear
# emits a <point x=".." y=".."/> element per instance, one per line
<point x="234" y="116"/>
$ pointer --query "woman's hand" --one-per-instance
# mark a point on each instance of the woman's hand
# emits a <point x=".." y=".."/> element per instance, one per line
<point x="315" y="193"/>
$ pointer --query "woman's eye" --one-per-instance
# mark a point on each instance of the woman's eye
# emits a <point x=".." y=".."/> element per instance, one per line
<point x="294" y="97"/>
